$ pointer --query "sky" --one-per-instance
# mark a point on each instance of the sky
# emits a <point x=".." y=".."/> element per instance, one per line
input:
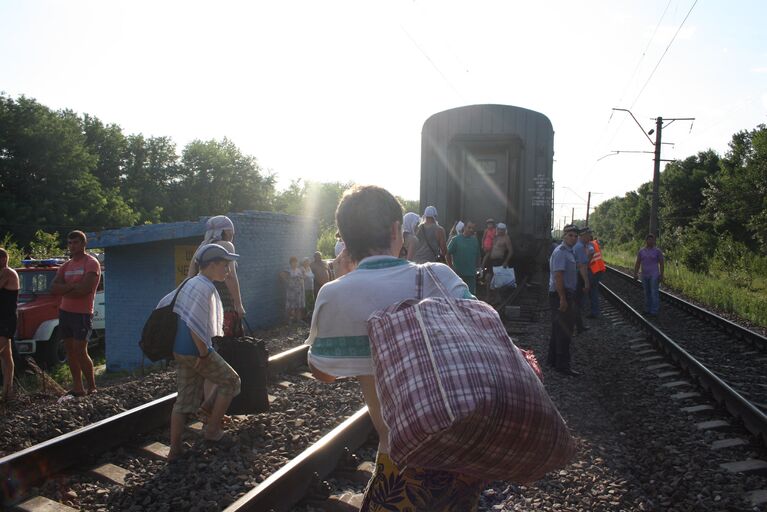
<point x="339" y="90"/>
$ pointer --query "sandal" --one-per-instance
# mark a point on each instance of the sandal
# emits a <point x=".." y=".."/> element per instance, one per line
<point x="222" y="438"/>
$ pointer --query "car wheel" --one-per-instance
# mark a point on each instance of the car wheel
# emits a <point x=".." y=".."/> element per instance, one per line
<point x="52" y="352"/>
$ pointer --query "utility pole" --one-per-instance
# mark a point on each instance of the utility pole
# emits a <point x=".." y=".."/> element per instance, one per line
<point x="572" y="215"/>
<point x="588" y="206"/>
<point x="656" y="179"/>
<point x="656" y="162"/>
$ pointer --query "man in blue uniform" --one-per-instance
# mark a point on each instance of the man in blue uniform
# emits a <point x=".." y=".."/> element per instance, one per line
<point x="581" y="252"/>
<point x="563" y="279"/>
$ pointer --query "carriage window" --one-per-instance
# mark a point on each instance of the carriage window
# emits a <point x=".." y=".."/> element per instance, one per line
<point x="487" y="166"/>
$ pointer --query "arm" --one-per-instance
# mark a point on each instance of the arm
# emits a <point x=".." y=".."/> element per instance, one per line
<point x="343" y="264"/>
<point x="59" y="286"/>
<point x="203" y="358"/>
<point x="233" y="284"/>
<point x="559" y="283"/>
<point x="321" y="376"/>
<point x="450" y="252"/>
<point x="584" y="271"/>
<point x="441" y="240"/>
<point x="411" y="247"/>
<point x="636" y="267"/>
<point x="660" y="265"/>
<point x="85" y="287"/>
<point x="6" y="277"/>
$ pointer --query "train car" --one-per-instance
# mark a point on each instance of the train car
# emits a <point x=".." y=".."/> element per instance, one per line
<point x="492" y="161"/>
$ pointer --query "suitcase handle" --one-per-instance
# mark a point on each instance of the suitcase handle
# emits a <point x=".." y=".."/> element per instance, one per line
<point x="239" y="330"/>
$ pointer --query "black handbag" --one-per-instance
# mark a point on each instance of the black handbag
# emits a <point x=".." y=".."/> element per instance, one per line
<point x="159" y="331"/>
<point x="249" y="358"/>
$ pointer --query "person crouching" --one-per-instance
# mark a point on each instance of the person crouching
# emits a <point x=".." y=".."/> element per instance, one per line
<point x="200" y="319"/>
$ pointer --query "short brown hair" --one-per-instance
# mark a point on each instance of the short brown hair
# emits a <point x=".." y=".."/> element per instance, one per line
<point x="77" y="234"/>
<point x="364" y="218"/>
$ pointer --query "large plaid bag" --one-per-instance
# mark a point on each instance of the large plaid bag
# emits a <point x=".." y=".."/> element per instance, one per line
<point x="458" y="395"/>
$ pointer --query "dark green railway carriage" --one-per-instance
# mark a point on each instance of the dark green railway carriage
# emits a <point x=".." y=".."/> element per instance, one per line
<point x="492" y="161"/>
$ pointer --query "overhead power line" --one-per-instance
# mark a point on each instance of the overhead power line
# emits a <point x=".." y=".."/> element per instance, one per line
<point x="664" y="54"/>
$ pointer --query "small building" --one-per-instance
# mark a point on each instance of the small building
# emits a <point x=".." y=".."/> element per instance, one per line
<point x="143" y="263"/>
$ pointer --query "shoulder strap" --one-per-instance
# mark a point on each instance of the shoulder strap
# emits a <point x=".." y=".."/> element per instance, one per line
<point x="173" y="302"/>
<point x="426" y="238"/>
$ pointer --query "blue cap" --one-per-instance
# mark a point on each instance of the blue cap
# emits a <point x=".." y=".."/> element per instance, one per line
<point x="211" y="252"/>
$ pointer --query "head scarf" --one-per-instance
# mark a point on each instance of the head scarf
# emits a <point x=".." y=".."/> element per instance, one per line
<point x="215" y="227"/>
<point x="410" y="222"/>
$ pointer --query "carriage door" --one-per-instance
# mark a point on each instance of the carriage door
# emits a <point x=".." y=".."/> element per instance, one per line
<point x="485" y="185"/>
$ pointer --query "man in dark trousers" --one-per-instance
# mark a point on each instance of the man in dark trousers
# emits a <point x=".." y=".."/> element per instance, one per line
<point x="563" y="279"/>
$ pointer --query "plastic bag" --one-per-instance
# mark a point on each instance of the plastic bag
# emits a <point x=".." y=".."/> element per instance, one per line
<point x="503" y="277"/>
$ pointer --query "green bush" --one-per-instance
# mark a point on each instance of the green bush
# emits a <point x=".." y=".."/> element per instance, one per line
<point x="326" y="243"/>
<point x="15" y="254"/>
<point x="695" y="250"/>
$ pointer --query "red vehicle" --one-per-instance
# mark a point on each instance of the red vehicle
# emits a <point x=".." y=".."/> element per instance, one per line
<point x="37" y="330"/>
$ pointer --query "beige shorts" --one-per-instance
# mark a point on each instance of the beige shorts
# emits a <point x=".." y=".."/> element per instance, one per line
<point x="190" y="380"/>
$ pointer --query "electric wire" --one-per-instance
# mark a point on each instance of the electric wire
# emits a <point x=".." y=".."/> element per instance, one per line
<point x="664" y="54"/>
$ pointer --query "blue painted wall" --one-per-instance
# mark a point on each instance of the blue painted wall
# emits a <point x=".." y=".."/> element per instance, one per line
<point x="140" y="270"/>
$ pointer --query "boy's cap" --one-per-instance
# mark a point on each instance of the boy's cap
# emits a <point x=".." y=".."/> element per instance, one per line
<point x="430" y="211"/>
<point x="211" y="252"/>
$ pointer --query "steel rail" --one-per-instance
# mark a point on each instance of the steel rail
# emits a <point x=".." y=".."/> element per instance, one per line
<point x="739" y="407"/>
<point x="24" y="469"/>
<point x="288" y="485"/>
<point x="747" y="335"/>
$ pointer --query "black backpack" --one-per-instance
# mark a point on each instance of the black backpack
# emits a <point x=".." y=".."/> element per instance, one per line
<point x="159" y="331"/>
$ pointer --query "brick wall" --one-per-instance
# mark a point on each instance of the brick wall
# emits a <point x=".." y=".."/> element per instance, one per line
<point x="138" y="275"/>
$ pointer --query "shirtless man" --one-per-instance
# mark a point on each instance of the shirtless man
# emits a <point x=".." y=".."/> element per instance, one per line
<point x="9" y="292"/>
<point x="76" y="282"/>
<point x="500" y="255"/>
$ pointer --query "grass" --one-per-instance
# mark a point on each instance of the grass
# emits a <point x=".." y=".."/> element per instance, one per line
<point x="31" y="383"/>
<point x="715" y="289"/>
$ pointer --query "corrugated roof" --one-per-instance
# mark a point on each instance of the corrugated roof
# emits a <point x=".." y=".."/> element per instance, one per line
<point x="146" y="234"/>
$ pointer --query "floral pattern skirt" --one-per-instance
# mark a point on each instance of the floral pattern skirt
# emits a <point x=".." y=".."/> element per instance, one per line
<point x="419" y="490"/>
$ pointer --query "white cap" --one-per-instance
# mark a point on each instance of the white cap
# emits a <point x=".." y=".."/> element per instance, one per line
<point x="430" y="211"/>
<point x="459" y="227"/>
<point x="501" y="225"/>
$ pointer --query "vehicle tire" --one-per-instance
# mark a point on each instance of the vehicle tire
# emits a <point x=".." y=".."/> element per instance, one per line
<point x="51" y="352"/>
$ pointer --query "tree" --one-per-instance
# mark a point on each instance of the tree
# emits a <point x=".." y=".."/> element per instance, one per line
<point x="216" y="177"/>
<point x="681" y="187"/>
<point x="736" y="198"/>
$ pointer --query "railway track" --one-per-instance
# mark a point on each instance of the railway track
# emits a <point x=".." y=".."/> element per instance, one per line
<point x="101" y="452"/>
<point x="725" y="359"/>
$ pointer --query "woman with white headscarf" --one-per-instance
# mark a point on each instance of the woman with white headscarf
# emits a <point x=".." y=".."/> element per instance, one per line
<point x="220" y="230"/>
<point x="409" y="224"/>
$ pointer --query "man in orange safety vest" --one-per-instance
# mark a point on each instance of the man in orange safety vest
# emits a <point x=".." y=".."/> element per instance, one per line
<point x="596" y="272"/>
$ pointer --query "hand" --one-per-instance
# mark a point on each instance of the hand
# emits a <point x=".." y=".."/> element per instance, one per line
<point x="636" y="277"/>
<point x="240" y="311"/>
<point x="343" y="264"/>
<point x="562" y="305"/>
<point x="201" y="362"/>
<point x="660" y="278"/>
<point x="586" y="288"/>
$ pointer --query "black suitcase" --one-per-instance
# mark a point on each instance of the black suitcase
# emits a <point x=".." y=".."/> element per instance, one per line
<point x="249" y="358"/>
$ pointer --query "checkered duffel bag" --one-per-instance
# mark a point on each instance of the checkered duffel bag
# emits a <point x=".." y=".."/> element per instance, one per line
<point x="458" y="395"/>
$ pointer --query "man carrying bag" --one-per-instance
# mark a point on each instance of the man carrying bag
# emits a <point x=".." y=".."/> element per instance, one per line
<point x="369" y="219"/>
